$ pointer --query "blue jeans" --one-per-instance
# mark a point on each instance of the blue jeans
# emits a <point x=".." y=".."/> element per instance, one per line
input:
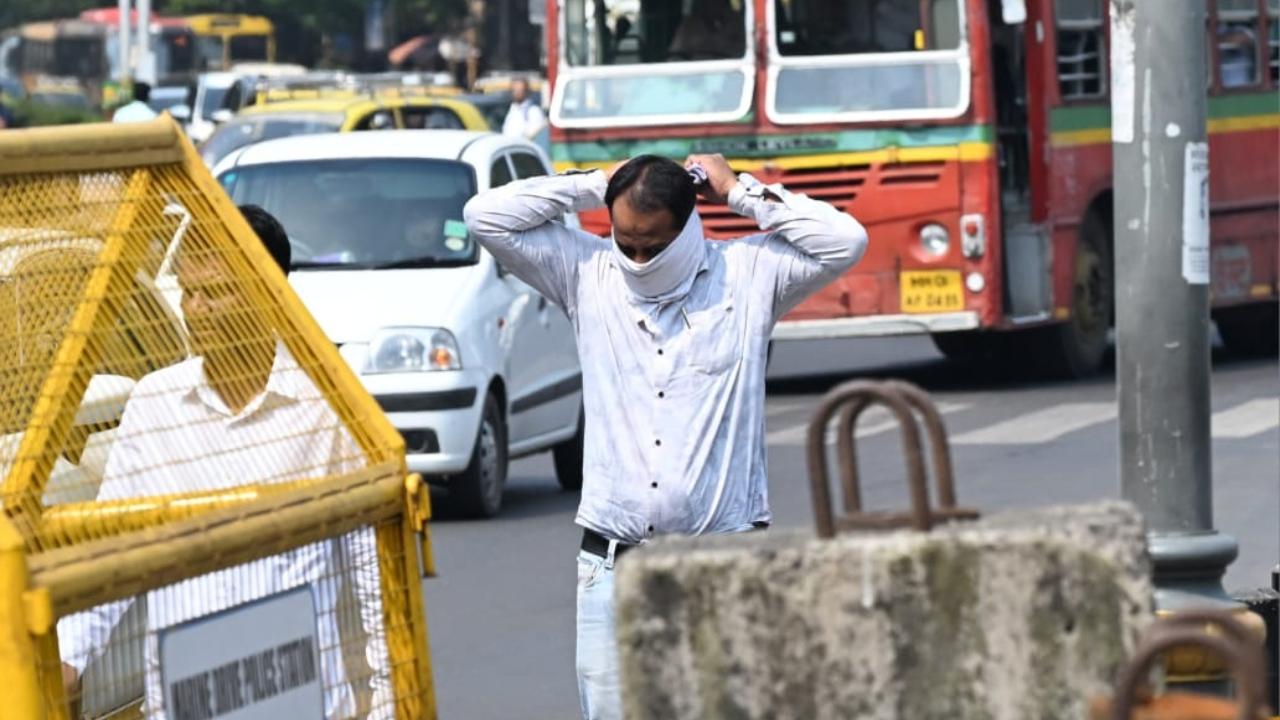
<point x="599" y="686"/>
<point x="597" y="657"/>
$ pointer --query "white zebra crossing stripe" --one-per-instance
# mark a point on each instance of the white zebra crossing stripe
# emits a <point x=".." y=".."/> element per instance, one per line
<point x="1040" y="426"/>
<point x="873" y="422"/>
<point x="1246" y="419"/>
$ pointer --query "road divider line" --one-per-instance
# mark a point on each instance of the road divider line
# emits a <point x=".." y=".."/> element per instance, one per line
<point x="1246" y="419"/>
<point x="1041" y="425"/>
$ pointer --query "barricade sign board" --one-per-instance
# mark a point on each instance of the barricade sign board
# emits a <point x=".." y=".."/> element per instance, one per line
<point x="257" y="660"/>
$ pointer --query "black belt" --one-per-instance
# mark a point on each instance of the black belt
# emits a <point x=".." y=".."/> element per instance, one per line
<point x="598" y="545"/>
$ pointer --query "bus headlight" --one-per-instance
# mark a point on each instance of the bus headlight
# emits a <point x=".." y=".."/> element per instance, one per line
<point x="935" y="239"/>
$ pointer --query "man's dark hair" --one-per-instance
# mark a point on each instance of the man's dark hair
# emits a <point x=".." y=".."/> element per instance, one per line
<point x="270" y="232"/>
<point x="654" y="183"/>
<point x="141" y="91"/>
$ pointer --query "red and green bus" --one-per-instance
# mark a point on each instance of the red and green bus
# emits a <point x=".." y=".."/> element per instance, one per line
<point x="971" y="137"/>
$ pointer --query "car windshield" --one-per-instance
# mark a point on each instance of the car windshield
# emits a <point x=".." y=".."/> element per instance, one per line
<point x="632" y="59"/>
<point x="248" y="130"/>
<point x="826" y="50"/>
<point x="212" y="101"/>
<point x="364" y="213"/>
<point x="164" y="98"/>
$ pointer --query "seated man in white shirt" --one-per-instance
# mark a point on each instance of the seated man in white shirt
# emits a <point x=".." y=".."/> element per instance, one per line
<point x="239" y="411"/>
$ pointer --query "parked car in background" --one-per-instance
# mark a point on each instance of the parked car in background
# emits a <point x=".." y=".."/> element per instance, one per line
<point x="173" y="100"/>
<point x="337" y="114"/>
<point x="211" y="88"/>
<point x="471" y="364"/>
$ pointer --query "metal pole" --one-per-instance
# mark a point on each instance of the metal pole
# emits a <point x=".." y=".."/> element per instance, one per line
<point x="146" y="63"/>
<point x="1158" y="111"/>
<point x="122" y="38"/>
<point x="18" y="664"/>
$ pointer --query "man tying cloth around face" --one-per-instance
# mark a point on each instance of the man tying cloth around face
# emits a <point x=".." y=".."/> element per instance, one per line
<point x="672" y="331"/>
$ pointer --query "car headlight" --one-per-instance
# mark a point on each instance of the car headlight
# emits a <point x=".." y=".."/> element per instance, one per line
<point x="935" y="239"/>
<point x="406" y="349"/>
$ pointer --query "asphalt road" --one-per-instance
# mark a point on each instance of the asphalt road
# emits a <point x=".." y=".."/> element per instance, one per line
<point x="501" y="611"/>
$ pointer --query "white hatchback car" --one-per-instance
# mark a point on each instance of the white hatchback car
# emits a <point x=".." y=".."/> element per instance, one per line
<point x="471" y="364"/>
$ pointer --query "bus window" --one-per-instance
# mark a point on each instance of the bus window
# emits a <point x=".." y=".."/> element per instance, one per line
<point x="823" y="50"/>
<point x="1082" y="59"/>
<point x="1273" y="22"/>
<point x="824" y="27"/>
<point x="210" y="51"/>
<point x="618" y="32"/>
<point x="1238" y="43"/>
<point x="248" y="48"/>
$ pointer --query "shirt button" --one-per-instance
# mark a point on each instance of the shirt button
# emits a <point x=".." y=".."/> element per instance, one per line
<point x="659" y="351"/>
<point x="650" y="528"/>
<point x="661" y="394"/>
<point x="658" y="443"/>
<point x="653" y="485"/>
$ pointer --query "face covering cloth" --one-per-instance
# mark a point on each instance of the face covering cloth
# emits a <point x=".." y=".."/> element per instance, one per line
<point x="669" y="275"/>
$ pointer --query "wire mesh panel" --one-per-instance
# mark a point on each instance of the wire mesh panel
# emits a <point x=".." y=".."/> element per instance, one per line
<point x="184" y="454"/>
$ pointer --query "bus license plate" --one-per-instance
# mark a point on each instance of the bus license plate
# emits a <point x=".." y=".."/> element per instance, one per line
<point x="931" y="291"/>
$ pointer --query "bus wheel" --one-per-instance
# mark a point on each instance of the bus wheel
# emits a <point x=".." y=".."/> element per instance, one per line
<point x="1251" y="330"/>
<point x="1076" y="348"/>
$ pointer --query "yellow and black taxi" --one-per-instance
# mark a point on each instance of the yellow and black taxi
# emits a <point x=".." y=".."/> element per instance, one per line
<point x="338" y="112"/>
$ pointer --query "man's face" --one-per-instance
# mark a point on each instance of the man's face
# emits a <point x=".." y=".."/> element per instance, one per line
<point x="217" y="312"/>
<point x="519" y="90"/>
<point x="641" y="236"/>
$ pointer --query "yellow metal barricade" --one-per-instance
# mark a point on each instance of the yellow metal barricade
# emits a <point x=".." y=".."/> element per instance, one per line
<point x="181" y="450"/>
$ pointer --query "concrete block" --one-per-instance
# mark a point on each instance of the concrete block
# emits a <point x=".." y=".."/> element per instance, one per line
<point x="1019" y="616"/>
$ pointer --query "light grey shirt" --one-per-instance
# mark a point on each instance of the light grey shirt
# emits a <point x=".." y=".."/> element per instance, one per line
<point x="674" y="393"/>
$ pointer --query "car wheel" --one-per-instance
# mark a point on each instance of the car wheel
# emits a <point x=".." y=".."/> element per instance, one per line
<point x="568" y="457"/>
<point x="478" y="490"/>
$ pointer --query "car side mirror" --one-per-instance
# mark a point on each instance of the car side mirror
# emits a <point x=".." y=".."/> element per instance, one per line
<point x="1013" y="11"/>
<point x="181" y="113"/>
<point x="221" y="116"/>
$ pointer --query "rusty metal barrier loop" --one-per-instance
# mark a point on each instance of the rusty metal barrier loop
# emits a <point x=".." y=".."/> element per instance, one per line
<point x="1195" y="628"/>
<point x="904" y="401"/>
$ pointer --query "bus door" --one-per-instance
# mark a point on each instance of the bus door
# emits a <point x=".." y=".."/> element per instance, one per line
<point x="1027" y="286"/>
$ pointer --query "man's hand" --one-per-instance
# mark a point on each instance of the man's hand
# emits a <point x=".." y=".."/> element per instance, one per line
<point x="720" y="177"/>
<point x="71" y="686"/>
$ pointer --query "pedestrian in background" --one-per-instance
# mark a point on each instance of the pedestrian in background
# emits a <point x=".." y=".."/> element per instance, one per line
<point x="672" y="331"/>
<point x="525" y="118"/>
<point x="136" y="110"/>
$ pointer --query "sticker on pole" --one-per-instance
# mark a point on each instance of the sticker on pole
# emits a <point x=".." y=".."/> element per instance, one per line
<point x="1123" y="72"/>
<point x="1195" y="214"/>
<point x="257" y="660"/>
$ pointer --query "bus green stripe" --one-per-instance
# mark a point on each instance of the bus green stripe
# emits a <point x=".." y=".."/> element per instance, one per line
<point x="1097" y="117"/>
<point x="771" y="146"/>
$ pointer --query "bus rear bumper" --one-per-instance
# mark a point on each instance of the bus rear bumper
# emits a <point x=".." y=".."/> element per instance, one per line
<point x="875" y="325"/>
